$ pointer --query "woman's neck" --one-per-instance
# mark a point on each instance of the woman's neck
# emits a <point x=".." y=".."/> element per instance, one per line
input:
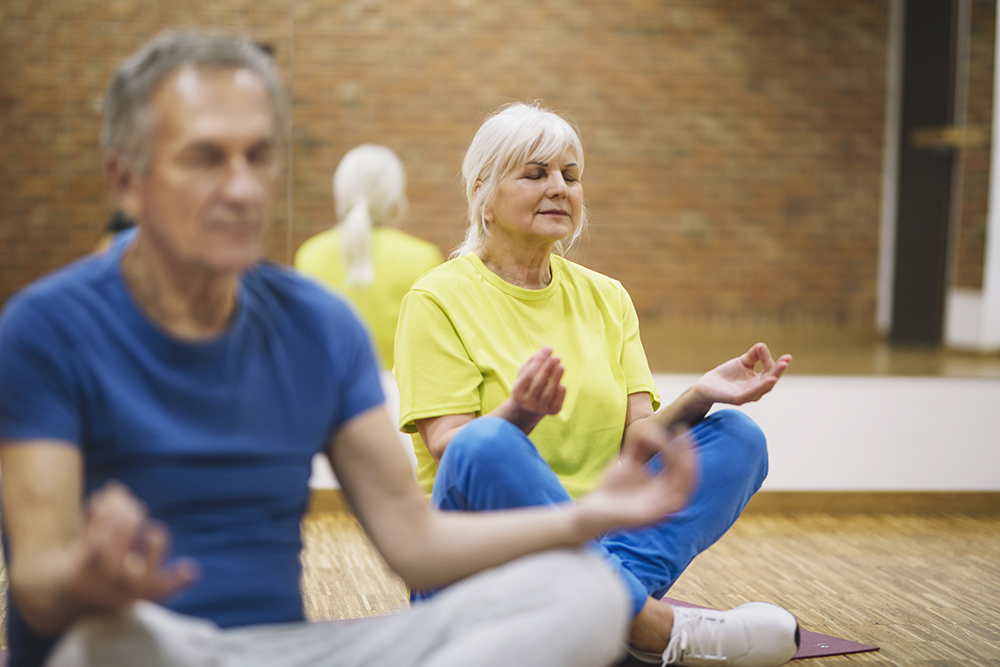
<point x="523" y="267"/>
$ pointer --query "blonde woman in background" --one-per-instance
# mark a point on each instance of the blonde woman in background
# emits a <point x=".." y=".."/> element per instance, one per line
<point x="365" y="256"/>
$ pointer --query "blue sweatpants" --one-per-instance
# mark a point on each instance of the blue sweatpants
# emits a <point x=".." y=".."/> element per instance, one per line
<point x="491" y="464"/>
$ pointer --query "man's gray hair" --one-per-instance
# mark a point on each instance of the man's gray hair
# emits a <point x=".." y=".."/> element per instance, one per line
<point x="128" y="119"/>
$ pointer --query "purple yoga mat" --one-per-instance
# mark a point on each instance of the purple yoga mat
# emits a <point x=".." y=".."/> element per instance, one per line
<point x="813" y="644"/>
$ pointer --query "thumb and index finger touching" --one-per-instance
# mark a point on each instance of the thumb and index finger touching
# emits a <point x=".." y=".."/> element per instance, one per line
<point x="760" y="352"/>
<point x="679" y="471"/>
<point x="125" y="551"/>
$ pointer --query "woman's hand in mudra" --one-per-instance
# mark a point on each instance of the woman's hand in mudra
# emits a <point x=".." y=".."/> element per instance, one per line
<point x="537" y="391"/>
<point x="538" y="386"/>
<point x="737" y="381"/>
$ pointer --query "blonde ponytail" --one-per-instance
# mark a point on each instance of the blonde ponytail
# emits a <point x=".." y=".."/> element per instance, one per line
<point x="356" y="245"/>
<point x="369" y="187"/>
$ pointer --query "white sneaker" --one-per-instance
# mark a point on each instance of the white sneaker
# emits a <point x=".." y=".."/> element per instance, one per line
<point x="755" y="634"/>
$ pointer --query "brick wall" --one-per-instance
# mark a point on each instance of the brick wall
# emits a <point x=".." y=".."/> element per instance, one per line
<point x="734" y="148"/>
<point x="974" y="162"/>
<point x="55" y="60"/>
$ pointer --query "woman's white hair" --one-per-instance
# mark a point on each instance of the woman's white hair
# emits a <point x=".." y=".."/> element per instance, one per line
<point x="369" y="188"/>
<point x="509" y="138"/>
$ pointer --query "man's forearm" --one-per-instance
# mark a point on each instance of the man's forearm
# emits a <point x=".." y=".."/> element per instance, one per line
<point x="40" y="587"/>
<point x="455" y="545"/>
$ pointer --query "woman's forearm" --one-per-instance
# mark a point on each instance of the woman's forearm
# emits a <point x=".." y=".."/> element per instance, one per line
<point x="437" y="432"/>
<point x="688" y="408"/>
<point x="512" y="411"/>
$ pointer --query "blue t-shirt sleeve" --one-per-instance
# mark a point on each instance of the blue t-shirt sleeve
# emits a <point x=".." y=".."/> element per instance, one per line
<point x="361" y="388"/>
<point x="353" y="366"/>
<point x="37" y="395"/>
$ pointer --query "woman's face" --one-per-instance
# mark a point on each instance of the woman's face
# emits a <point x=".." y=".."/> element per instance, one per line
<point x="539" y="201"/>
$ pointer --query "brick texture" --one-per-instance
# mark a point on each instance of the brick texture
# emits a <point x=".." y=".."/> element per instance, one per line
<point x="974" y="162"/>
<point x="734" y="148"/>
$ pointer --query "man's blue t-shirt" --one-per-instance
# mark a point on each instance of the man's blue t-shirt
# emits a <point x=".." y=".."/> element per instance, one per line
<point x="217" y="438"/>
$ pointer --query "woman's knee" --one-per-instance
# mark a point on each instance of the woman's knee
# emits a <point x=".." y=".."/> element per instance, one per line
<point x="490" y="442"/>
<point x="742" y="436"/>
<point x="491" y="464"/>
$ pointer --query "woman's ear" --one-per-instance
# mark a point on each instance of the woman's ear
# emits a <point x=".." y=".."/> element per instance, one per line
<point x="484" y="211"/>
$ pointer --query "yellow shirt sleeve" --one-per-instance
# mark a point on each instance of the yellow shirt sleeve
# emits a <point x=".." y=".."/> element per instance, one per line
<point x="436" y="376"/>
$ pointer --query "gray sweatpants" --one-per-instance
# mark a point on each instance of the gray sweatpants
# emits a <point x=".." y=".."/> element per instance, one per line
<point x="556" y="608"/>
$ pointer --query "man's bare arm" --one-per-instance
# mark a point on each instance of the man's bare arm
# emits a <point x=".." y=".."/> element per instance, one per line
<point x="430" y="549"/>
<point x="66" y="559"/>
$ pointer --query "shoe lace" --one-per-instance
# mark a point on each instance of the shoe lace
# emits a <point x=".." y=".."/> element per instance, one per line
<point x="697" y="640"/>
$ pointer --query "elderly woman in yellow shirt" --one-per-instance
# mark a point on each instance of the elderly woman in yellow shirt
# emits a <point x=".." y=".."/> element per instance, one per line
<point x="492" y="430"/>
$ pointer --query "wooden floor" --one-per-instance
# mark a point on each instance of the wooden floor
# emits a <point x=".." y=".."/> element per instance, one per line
<point x="926" y="589"/>
<point x="343" y="575"/>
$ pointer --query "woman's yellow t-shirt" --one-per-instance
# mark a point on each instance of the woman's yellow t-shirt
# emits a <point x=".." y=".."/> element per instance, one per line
<point x="464" y="333"/>
<point x="399" y="259"/>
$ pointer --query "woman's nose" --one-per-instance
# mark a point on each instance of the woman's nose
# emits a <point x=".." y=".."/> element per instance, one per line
<point x="556" y="184"/>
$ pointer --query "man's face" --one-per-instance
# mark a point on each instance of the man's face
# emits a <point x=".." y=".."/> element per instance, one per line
<point x="205" y="202"/>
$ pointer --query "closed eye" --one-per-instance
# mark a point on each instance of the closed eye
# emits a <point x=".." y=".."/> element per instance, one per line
<point x="261" y="154"/>
<point x="203" y="155"/>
